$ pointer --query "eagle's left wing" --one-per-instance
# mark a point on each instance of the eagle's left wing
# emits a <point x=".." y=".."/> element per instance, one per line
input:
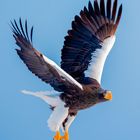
<point x="89" y="42"/>
<point x="44" y="68"/>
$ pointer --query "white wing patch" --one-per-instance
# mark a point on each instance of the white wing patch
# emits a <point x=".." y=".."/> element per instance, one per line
<point x="98" y="59"/>
<point x="62" y="72"/>
<point x="57" y="117"/>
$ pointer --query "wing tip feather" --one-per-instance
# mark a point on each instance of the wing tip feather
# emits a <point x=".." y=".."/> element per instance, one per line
<point x="20" y="32"/>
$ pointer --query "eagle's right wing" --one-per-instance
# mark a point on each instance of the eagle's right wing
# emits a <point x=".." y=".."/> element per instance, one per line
<point x="90" y="40"/>
<point x="40" y="65"/>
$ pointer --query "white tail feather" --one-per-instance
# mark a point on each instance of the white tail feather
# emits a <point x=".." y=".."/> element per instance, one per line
<point x="59" y="113"/>
<point x="48" y="96"/>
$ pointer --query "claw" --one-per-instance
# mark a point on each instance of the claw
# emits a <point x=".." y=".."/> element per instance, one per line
<point x="66" y="136"/>
<point x="57" y="136"/>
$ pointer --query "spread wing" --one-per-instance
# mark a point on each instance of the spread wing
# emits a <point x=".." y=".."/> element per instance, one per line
<point x="40" y="65"/>
<point x="90" y="40"/>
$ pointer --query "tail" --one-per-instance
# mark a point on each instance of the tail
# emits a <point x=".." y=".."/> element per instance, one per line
<point x="60" y="111"/>
<point x="47" y="96"/>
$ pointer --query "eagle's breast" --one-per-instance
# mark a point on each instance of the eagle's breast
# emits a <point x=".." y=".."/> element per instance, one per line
<point x="78" y="100"/>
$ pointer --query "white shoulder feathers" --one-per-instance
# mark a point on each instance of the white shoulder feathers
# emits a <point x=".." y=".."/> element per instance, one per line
<point x="62" y="72"/>
<point x="98" y="59"/>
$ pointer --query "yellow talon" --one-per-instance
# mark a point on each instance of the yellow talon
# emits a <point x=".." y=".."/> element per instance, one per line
<point x="66" y="135"/>
<point x="57" y="136"/>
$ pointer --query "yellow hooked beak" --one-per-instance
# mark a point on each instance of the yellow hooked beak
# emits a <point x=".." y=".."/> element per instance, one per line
<point x="108" y="95"/>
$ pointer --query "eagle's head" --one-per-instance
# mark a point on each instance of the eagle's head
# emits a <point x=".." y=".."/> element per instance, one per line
<point x="104" y="95"/>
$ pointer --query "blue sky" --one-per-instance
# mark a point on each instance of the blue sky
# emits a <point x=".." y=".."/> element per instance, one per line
<point x="24" y="117"/>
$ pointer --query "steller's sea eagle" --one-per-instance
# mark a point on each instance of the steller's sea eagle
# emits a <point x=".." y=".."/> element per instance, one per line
<point x="78" y="81"/>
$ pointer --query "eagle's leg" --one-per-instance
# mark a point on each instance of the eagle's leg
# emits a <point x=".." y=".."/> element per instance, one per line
<point x="57" y="136"/>
<point x="66" y="124"/>
<point x="66" y="136"/>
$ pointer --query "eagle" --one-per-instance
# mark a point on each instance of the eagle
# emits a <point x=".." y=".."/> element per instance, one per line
<point x="77" y="82"/>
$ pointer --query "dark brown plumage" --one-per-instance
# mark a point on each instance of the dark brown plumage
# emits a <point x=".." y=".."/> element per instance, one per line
<point x="89" y="29"/>
<point x="85" y="49"/>
<point x="34" y="60"/>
